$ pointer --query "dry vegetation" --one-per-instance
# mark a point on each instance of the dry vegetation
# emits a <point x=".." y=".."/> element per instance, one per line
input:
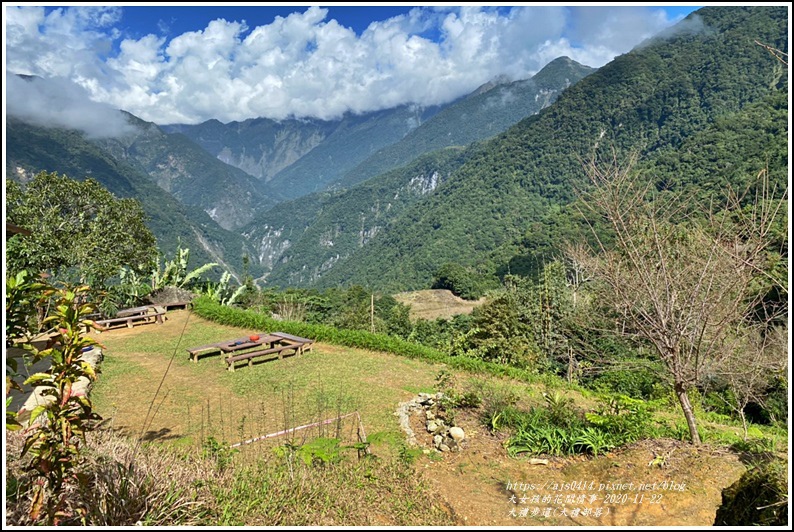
<point x="432" y="304"/>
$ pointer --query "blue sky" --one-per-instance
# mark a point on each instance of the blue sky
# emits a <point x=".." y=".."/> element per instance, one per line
<point x="187" y="64"/>
<point x="180" y="18"/>
<point x="138" y="21"/>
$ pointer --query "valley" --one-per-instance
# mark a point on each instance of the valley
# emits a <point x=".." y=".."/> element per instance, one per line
<point x="558" y="297"/>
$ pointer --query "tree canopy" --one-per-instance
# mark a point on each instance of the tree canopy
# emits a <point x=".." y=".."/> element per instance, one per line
<point x="77" y="228"/>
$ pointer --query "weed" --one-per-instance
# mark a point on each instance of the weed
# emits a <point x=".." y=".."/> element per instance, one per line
<point x="219" y="452"/>
<point x="593" y="440"/>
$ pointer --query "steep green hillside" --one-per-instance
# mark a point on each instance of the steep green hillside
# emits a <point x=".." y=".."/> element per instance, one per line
<point x="31" y="149"/>
<point x="483" y="114"/>
<point x="260" y="147"/>
<point x="652" y="99"/>
<point x="303" y="238"/>
<point x="190" y="173"/>
<point x="300" y="240"/>
<point x="296" y="157"/>
<point x="355" y="138"/>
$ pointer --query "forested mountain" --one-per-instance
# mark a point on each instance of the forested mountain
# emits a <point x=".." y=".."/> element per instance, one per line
<point x="352" y="141"/>
<point x="486" y="112"/>
<point x="695" y="79"/>
<point x="727" y="154"/>
<point x="702" y="104"/>
<point x="301" y="239"/>
<point x="31" y="149"/>
<point x="297" y="157"/>
<point x="230" y="196"/>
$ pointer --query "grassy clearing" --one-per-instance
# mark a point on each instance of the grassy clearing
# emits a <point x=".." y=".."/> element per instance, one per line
<point x="260" y="487"/>
<point x="432" y="304"/>
<point x="202" y="399"/>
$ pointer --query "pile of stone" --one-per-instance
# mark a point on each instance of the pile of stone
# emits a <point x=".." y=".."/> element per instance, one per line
<point x="445" y="437"/>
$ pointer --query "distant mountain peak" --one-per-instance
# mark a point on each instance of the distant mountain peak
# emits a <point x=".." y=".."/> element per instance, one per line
<point x="501" y="79"/>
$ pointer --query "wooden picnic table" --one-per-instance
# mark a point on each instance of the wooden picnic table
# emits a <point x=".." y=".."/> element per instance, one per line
<point x="246" y="349"/>
<point x="241" y="344"/>
<point x="194" y="352"/>
<point x="134" y="311"/>
<point x="133" y="315"/>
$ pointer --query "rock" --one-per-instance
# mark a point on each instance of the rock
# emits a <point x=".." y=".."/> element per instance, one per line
<point x="457" y="434"/>
<point x="443" y="448"/>
<point x="538" y="461"/>
<point x="170" y="295"/>
<point x="430" y="415"/>
<point x="425" y="399"/>
<point x="432" y="426"/>
<point x="438" y="439"/>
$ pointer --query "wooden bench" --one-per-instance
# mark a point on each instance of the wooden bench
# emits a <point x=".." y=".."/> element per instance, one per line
<point x="305" y="343"/>
<point x="145" y="314"/>
<point x="253" y="354"/>
<point x="194" y="351"/>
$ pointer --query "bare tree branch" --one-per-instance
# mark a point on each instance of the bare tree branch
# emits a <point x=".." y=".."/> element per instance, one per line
<point x="680" y="275"/>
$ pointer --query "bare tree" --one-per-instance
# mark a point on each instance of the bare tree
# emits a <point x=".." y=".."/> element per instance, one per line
<point x="679" y="275"/>
<point x="766" y="350"/>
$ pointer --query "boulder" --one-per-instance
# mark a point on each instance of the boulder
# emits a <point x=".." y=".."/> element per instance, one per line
<point x="170" y="295"/>
<point x="457" y="434"/>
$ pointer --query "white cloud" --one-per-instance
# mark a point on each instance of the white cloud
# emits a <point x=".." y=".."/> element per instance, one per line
<point x="307" y="65"/>
<point x="58" y="102"/>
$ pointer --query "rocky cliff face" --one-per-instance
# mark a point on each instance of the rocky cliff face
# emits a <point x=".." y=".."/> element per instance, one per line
<point x="179" y="166"/>
<point x="265" y="151"/>
<point x="302" y="240"/>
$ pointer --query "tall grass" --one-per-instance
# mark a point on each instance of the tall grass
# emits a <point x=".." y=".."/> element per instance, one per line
<point x="117" y="486"/>
<point x="155" y="486"/>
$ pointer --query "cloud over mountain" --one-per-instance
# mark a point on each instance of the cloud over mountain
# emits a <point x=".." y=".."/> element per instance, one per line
<point x="304" y="64"/>
<point x="58" y="102"/>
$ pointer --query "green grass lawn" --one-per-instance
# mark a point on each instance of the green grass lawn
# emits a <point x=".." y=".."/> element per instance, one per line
<point x="204" y="398"/>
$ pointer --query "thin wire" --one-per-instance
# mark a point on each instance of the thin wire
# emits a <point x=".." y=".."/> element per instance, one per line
<point x="147" y="422"/>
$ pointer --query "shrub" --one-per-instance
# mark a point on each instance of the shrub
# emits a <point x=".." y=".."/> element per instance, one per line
<point x="208" y="309"/>
<point x="759" y="498"/>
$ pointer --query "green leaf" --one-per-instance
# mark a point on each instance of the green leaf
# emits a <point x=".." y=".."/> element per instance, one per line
<point x="36" y="413"/>
<point x="40" y="379"/>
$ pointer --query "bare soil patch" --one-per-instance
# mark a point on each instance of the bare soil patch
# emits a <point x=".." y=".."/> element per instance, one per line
<point x="481" y="482"/>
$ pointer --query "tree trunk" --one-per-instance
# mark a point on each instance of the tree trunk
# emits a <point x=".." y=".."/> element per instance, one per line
<point x="686" y="406"/>
<point x="744" y="422"/>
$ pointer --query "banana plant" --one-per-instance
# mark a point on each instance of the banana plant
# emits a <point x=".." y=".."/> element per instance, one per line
<point x="174" y="272"/>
